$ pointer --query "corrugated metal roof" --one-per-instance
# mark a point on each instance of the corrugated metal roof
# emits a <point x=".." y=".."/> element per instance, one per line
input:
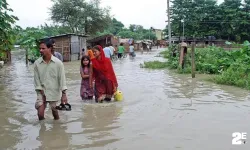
<point x="67" y="34"/>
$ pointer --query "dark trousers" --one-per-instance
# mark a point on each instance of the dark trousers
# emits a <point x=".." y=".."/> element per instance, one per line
<point x="119" y="55"/>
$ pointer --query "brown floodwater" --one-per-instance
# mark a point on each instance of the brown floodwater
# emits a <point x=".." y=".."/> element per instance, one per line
<point x="161" y="110"/>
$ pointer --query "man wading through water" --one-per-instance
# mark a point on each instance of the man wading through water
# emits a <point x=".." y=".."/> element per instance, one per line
<point x="49" y="80"/>
<point x="56" y="54"/>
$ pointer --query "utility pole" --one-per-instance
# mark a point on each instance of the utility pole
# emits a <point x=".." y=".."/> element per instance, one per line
<point x="182" y="30"/>
<point x="169" y="26"/>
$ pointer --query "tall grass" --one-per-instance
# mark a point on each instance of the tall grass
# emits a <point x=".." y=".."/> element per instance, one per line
<point x="155" y="64"/>
<point x="230" y="67"/>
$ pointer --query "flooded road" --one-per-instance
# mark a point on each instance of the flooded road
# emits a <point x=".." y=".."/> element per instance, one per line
<point x="161" y="110"/>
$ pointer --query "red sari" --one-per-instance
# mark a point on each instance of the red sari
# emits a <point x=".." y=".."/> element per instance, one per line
<point x="104" y="76"/>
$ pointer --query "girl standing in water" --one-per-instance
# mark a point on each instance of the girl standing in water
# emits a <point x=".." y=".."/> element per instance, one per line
<point x="86" y="90"/>
<point x="103" y="75"/>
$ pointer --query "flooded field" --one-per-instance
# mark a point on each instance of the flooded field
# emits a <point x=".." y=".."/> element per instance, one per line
<point x="161" y="110"/>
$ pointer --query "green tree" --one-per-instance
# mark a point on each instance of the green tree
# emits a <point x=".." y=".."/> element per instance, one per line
<point x="136" y="28"/>
<point x="28" y="40"/>
<point x="244" y="22"/>
<point x="202" y="18"/>
<point x="181" y="10"/>
<point x="80" y="16"/>
<point x="7" y="34"/>
<point x="231" y="13"/>
<point x="53" y="30"/>
<point x="116" y="26"/>
<point x="129" y="34"/>
<point x="149" y="35"/>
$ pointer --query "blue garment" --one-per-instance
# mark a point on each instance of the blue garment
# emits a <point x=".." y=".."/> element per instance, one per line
<point x="59" y="56"/>
<point x="107" y="52"/>
<point x="131" y="48"/>
<point x="112" y="49"/>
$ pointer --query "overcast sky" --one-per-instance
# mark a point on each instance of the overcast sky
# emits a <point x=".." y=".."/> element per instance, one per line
<point x="143" y="12"/>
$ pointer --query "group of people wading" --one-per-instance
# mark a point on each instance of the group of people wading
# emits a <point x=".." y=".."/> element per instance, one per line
<point x="99" y="70"/>
<point x="98" y="78"/>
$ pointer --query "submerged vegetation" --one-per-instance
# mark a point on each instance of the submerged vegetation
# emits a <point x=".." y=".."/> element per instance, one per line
<point x="229" y="67"/>
<point x="155" y="64"/>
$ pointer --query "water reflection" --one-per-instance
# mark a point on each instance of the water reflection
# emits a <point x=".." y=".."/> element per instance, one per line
<point x="156" y="102"/>
<point x="197" y="91"/>
<point x="53" y="136"/>
<point x="9" y="122"/>
<point x="99" y="124"/>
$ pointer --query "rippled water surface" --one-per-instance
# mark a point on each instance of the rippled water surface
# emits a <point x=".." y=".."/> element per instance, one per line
<point x="161" y="110"/>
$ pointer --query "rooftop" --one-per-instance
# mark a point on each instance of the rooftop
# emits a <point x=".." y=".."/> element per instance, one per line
<point x="97" y="38"/>
<point x="67" y="34"/>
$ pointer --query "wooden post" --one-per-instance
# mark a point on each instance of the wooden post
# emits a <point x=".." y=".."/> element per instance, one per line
<point x="193" y="60"/>
<point x="27" y="61"/>
<point x="181" y="59"/>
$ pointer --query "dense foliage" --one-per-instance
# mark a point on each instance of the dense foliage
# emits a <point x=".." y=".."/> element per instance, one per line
<point x="154" y="64"/>
<point x="7" y="34"/>
<point x="229" y="20"/>
<point x="230" y="66"/>
<point x="28" y="40"/>
<point x="80" y="16"/>
<point x="136" y="32"/>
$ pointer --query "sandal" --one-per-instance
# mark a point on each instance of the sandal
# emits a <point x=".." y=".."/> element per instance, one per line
<point x="64" y="107"/>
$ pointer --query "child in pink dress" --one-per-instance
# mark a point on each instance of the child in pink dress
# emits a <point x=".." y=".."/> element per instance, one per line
<point x="86" y="91"/>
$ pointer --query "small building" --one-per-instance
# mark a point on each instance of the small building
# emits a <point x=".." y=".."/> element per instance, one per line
<point x="206" y="41"/>
<point x="161" y="43"/>
<point x="138" y="45"/>
<point x="103" y="40"/>
<point x="158" y="33"/>
<point x="70" y="45"/>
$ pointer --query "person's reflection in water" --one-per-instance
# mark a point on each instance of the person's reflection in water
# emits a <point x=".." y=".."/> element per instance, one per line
<point x="53" y="136"/>
<point x="98" y="122"/>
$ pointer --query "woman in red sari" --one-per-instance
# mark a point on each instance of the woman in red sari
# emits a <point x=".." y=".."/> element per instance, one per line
<point x="103" y="74"/>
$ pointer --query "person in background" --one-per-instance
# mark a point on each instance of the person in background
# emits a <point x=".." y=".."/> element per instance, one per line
<point x="131" y="50"/>
<point x="56" y="54"/>
<point x="116" y="50"/>
<point x="86" y="91"/>
<point x="102" y="73"/>
<point x="148" y="48"/>
<point x="121" y="50"/>
<point x="112" y="49"/>
<point x="49" y="80"/>
<point x="83" y="51"/>
<point x="107" y="51"/>
<point x="90" y="52"/>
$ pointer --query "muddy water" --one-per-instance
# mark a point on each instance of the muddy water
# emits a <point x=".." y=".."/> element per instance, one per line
<point x="161" y="110"/>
